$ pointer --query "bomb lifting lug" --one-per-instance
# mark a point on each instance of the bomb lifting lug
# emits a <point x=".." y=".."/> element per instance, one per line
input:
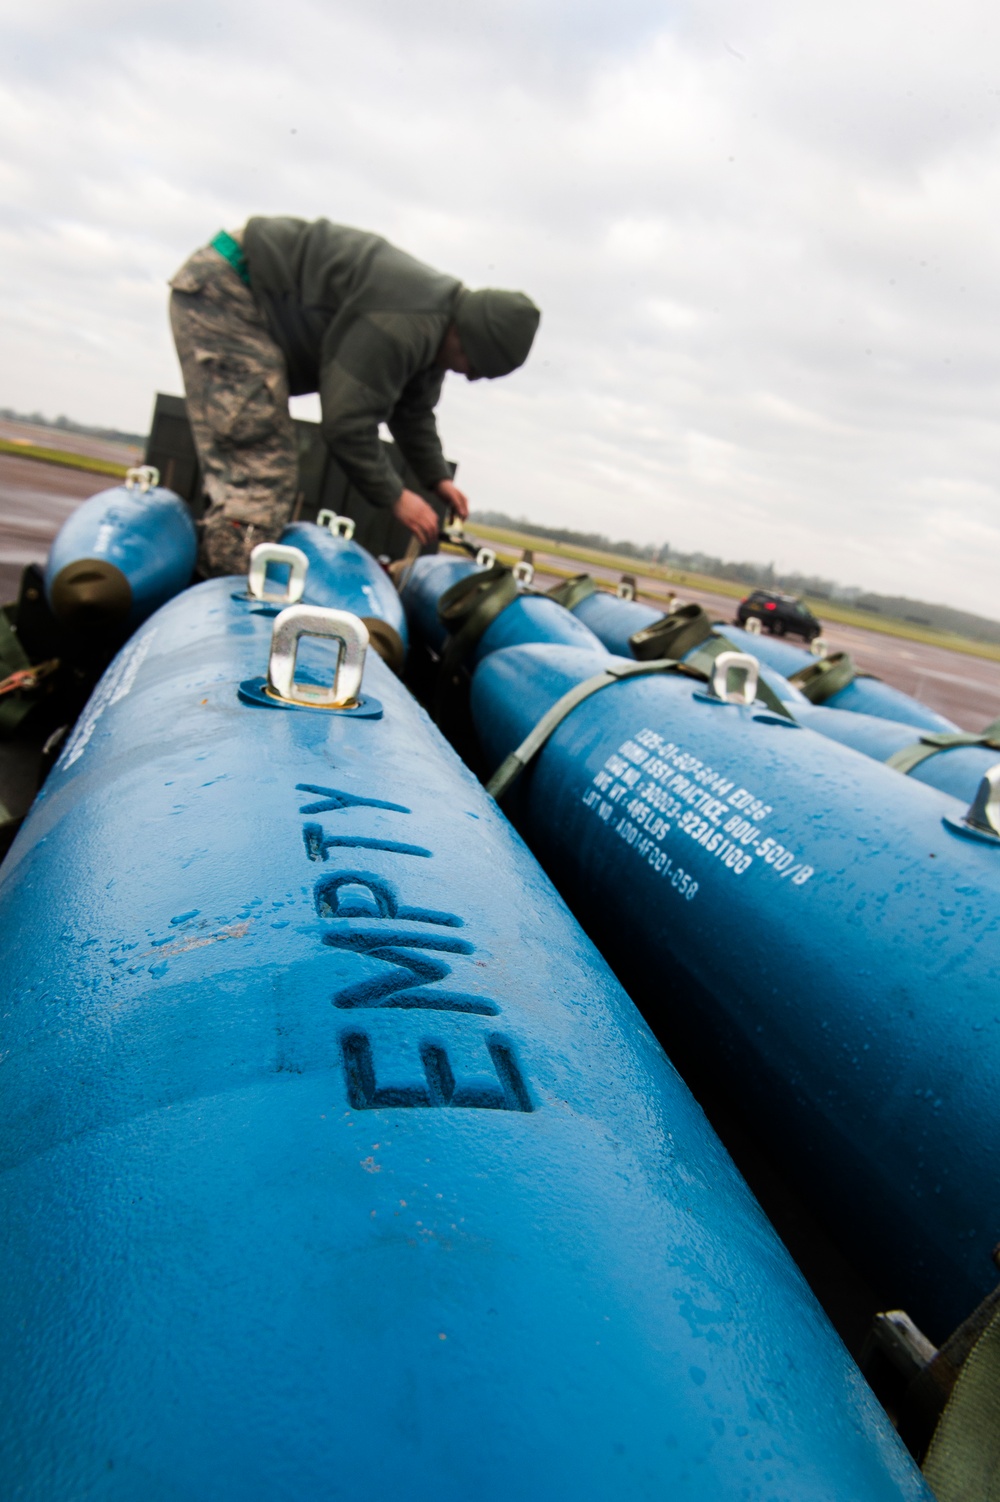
<point x="281" y="689"/>
<point x="145" y="477"/>
<point x="734" y="678"/>
<point x="276" y="552"/>
<point x="982" y="818"/>
<point x="339" y="526"/>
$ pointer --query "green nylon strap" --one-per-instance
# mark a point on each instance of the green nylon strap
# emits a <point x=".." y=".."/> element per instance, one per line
<point x="677" y="633"/>
<point x="673" y="635"/>
<point x="232" y="251"/>
<point x="703" y="662"/>
<point x="936" y="741"/>
<point x="513" y="765"/>
<point x="700" y="666"/>
<point x="825" y="677"/>
<point x="963" y="1461"/>
<point x="572" y="591"/>
<point x="467" y="609"/>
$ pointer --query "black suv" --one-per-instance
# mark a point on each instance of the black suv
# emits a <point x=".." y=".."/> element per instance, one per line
<point x="782" y="615"/>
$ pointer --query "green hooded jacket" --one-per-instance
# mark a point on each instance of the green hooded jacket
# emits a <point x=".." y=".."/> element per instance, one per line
<point x="362" y="323"/>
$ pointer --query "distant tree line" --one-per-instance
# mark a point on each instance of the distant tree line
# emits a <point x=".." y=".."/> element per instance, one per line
<point x="763" y="576"/>
<point x="67" y="425"/>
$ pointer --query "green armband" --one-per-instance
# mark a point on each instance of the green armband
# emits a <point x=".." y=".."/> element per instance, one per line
<point x="232" y="251"/>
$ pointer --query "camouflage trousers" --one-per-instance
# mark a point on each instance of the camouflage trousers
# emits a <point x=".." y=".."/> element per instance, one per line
<point x="237" y="400"/>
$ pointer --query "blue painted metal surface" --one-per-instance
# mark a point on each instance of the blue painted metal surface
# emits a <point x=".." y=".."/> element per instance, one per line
<point x="529" y="618"/>
<point x="614" y="621"/>
<point x="800" y="918"/>
<point x="148" y="536"/>
<point x="893" y="723"/>
<point x="424" y="585"/>
<point x="779" y="653"/>
<point x="336" y="1162"/>
<point x="344" y="575"/>
<point x="864" y="696"/>
<point x="534" y="618"/>
<point x="957" y="771"/>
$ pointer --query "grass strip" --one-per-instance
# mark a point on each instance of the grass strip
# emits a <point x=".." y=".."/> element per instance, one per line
<point x="63" y="457"/>
<point x="827" y="610"/>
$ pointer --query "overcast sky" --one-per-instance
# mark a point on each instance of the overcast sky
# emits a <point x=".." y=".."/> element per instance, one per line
<point x="765" y="237"/>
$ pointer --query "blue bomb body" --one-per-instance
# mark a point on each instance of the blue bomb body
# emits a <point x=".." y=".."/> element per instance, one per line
<point x="147" y="536"/>
<point x="893" y="723"/>
<point x="529" y="618"/>
<point x="802" y="919"/>
<point x="336" y="1161"/>
<point x="958" y="770"/>
<point x="864" y="696"/>
<point x="344" y="576"/>
<point x="614" y="621"/>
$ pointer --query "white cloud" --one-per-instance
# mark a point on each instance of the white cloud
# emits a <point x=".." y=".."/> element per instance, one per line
<point x="765" y="239"/>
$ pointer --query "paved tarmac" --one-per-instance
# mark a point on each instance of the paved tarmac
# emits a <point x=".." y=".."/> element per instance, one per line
<point x="36" y="498"/>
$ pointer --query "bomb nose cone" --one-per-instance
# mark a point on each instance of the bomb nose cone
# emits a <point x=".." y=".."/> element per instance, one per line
<point x="90" y="592"/>
<point x="387" y="642"/>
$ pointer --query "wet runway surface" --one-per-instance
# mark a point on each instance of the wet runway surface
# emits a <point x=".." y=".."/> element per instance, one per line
<point x="36" y="498"/>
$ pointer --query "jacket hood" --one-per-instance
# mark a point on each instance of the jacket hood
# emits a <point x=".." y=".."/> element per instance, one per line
<point x="496" y="329"/>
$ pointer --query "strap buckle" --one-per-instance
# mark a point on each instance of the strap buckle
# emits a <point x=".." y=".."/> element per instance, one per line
<point x="573" y="591"/>
<point x="825" y="677"/>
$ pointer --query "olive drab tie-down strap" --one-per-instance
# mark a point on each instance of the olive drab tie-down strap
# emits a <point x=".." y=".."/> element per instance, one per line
<point x="699" y="667"/>
<point x="674" y="635"/>
<point x="821" y="679"/>
<point x="467" y="609"/>
<point x="963" y="1461"/>
<point x="679" y="632"/>
<point x="399" y="570"/>
<point x="571" y="591"/>
<point x="703" y="661"/>
<point x="513" y="765"/>
<point x="933" y="742"/>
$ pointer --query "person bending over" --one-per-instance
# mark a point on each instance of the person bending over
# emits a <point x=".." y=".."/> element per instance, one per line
<point x="285" y="306"/>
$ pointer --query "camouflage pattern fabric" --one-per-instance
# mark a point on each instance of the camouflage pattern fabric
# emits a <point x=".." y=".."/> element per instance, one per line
<point x="236" y="382"/>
